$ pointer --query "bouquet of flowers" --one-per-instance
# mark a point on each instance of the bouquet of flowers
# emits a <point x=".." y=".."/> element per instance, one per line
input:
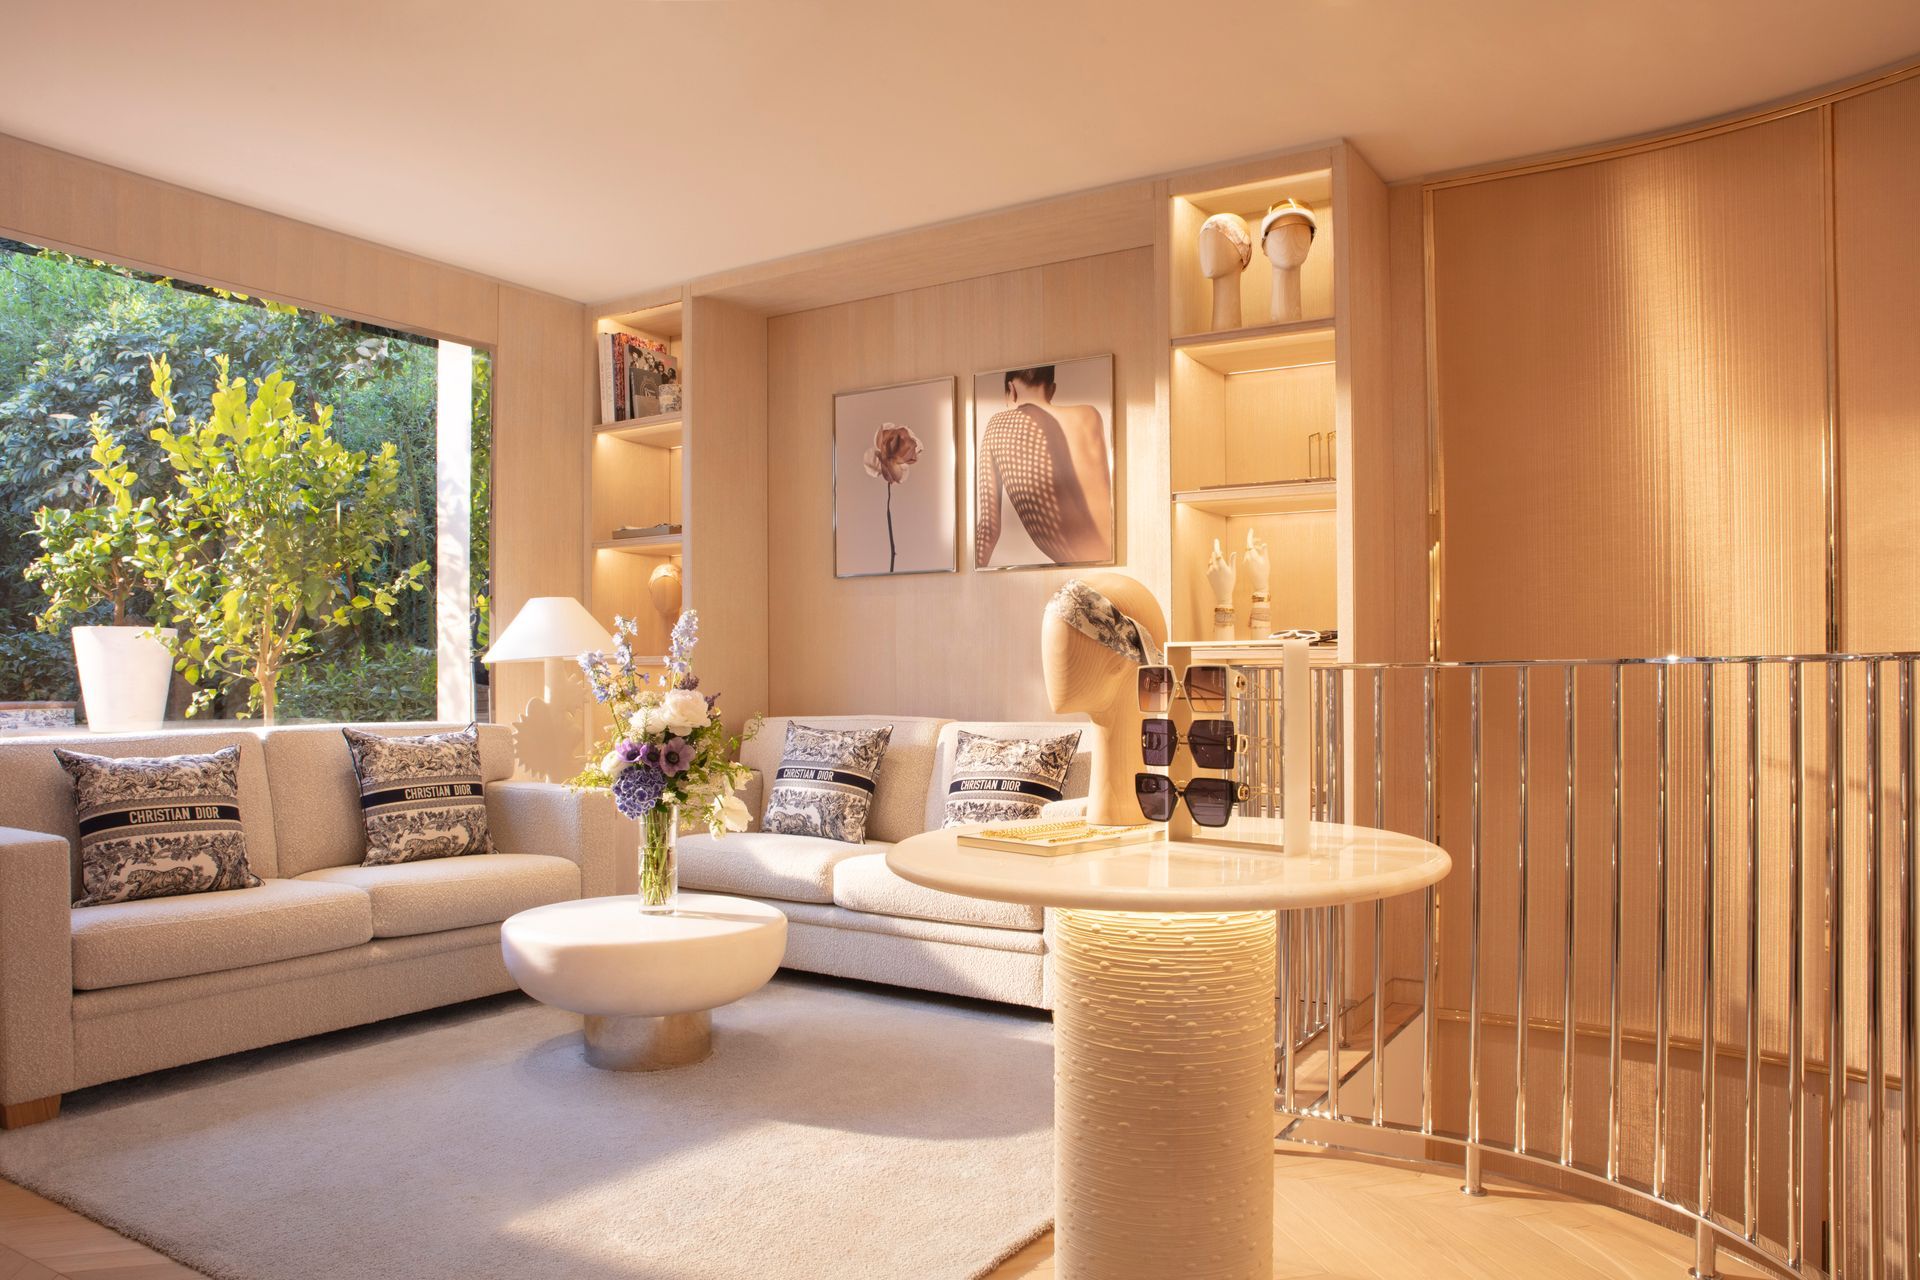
<point x="668" y="751"/>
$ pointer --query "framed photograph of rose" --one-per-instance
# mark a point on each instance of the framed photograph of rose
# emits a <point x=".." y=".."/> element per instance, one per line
<point x="896" y="480"/>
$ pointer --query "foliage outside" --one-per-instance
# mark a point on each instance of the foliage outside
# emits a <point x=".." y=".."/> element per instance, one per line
<point x="76" y="342"/>
<point x="272" y="532"/>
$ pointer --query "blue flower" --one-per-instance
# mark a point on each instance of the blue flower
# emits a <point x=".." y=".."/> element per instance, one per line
<point x="637" y="791"/>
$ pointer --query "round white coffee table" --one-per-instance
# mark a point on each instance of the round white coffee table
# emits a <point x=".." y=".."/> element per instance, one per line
<point x="1164" y="972"/>
<point x="646" y="983"/>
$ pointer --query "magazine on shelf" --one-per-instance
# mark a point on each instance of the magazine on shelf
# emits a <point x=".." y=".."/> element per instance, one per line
<point x="633" y="371"/>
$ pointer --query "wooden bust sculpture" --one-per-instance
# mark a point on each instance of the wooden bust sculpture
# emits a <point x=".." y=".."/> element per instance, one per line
<point x="1098" y="630"/>
<point x="1225" y="250"/>
<point x="1286" y="234"/>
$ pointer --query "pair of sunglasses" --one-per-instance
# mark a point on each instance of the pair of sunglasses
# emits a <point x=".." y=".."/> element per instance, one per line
<point x="1213" y="743"/>
<point x="1205" y="688"/>
<point x="1209" y="800"/>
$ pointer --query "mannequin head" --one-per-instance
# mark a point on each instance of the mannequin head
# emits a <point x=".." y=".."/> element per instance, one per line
<point x="1081" y="673"/>
<point x="1225" y="246"/>
<point x="1286" y="233"/>
<point x="663" y="585"/>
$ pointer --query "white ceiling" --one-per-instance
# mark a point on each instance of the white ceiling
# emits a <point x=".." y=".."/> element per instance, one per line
<point x="597" y="147"/>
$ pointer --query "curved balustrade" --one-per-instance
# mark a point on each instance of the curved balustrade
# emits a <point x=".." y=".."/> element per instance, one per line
<point x="1658" y="864"/>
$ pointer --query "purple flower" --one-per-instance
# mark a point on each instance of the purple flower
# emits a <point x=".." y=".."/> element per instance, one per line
<point x="675" y="756"/>
<point x="637" y="791"/>
<point x="631" y="752"/>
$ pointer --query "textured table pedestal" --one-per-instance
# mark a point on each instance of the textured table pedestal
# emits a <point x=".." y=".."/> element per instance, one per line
<point x="1164" y="981"/>
<point x="1163" y="1095"/>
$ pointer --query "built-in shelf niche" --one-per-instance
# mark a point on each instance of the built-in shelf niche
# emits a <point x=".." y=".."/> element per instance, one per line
<point x="1254" y="409"/>
<point x="1192" y="293"/>
<point x="638" y="469"/>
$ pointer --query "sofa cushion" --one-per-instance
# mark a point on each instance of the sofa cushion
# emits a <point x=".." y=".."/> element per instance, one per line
<point x="764" y="864"/>
<point x="316" y="795"/>
<point x="453" y="893"/>
<point x="824" y="786"/>
<point x="1079" y="774"/>
<point x="1006" y="779"/>
<point x="900" y="788"/>
<point x="38" y="796"/>
<point x="158" y="826"/>
<point x="420" y="794"/>
<point x="867" y="884"/>
<point x="152" y="939"/>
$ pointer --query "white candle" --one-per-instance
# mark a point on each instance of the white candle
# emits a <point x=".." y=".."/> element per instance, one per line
<point x="1296" y="689"/>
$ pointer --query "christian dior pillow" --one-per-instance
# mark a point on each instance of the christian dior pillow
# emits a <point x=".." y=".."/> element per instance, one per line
<point x="156" y="826"/>
<point x="825" y="783"/>
<point x="420" y="796"/>
<point x="1006" y="779"/>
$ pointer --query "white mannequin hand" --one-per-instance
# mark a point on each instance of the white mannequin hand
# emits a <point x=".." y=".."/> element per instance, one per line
<point x="1220" y="576"/>
<point x="1257" y="563"/>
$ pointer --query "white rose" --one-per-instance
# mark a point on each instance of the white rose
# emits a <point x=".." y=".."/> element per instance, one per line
<point x="613" y="766"/>
<point x="684" y="711"/>
<point x="648" y="721"/>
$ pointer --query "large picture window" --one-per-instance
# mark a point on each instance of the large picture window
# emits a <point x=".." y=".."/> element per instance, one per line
<point x="77" y="344"/>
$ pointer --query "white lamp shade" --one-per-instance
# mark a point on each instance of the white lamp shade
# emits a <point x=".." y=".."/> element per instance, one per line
<point x="549" y="627"/>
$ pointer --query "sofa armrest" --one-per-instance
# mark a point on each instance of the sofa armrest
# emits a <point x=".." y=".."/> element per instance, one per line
<point x="36" y="965"/>
<point x="1060" y="810"/>
<point x="753" y="794"/>
<point x="582" y="826"/>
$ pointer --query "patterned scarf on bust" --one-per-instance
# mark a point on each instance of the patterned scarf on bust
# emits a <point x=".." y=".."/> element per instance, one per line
<point x="1100" y="620"/>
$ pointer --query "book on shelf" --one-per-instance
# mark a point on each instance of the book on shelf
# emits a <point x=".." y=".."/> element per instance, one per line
<point x="1050" y="839"/>
<point x="633" y="372"/>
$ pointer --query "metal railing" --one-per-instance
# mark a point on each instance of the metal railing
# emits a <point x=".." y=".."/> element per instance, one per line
<point x="1675" y="957"/>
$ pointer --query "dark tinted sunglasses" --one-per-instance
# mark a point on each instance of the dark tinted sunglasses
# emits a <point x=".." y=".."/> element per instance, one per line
<point x="1213" y="742"/>
<point x="1209" y="800"/>
<point x="1205" y="689"/>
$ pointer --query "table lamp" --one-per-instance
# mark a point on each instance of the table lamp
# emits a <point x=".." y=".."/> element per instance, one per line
<point x="554" y="630"/>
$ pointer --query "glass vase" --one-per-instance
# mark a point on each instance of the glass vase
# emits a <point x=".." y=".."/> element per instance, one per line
<point x="660" y="859"/>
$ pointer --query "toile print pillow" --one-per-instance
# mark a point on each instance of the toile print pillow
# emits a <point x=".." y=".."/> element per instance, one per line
<point x="420" y="796"/>
<point x="1007" y="779"/>
<point x="157" y="826"/>
<point x="825" y="783"/>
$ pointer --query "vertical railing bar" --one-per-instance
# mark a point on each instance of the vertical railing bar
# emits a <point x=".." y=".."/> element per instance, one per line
<point x="1910" y="1042"/>
<point x="1286" y="1010"/>
<point x="1566" y="992"/>
<point x="1520" y="1036"/>
<point x="1473" y="889"/>
<point x="1336" y="1001"/>
<point x="1796" y="1018"/>
<point x="1379" y="908"/>
<point x="1836" y="981"/>
<point x="1876" y="1043"/>
<point x="1750" y="1194"/>
<point x="1660" y="937"/>
<point x="1613" y="975"/>
<point x="1709" y="973"/>
<point x="1430" y="913"/>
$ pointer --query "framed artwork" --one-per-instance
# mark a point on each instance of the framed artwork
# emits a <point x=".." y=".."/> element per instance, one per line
<point x="1043" y="465"/>
<point x="895" y="472"/>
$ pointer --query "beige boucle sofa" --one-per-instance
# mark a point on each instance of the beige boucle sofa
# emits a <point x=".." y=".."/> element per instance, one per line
<point x="99" y="993"/>
<point x="850" y="916"/>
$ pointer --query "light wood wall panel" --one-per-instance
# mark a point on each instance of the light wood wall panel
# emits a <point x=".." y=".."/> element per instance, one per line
<point x="1876" y="164"/>
<point x="539" y="469"/>
<point x="964" y="644"/>
<point x="1631" y="400"/>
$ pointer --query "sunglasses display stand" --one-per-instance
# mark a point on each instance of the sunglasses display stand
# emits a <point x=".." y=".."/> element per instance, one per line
<point x="1165" y="964"/>
<point x="1085" y="676"/>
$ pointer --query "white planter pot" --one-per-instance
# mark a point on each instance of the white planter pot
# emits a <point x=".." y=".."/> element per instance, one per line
<point x="123" y="676"/>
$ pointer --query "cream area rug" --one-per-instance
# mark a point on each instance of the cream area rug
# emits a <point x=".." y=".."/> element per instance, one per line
<point x="836" y="1132"/>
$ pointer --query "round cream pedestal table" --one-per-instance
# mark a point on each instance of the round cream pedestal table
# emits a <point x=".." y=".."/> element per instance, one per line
<point x="646" y="982"/>
<point x="1164" y="971"/>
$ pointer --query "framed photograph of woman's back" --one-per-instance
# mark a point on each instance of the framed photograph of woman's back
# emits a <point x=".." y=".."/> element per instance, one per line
<point x="1043" y="465"/>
